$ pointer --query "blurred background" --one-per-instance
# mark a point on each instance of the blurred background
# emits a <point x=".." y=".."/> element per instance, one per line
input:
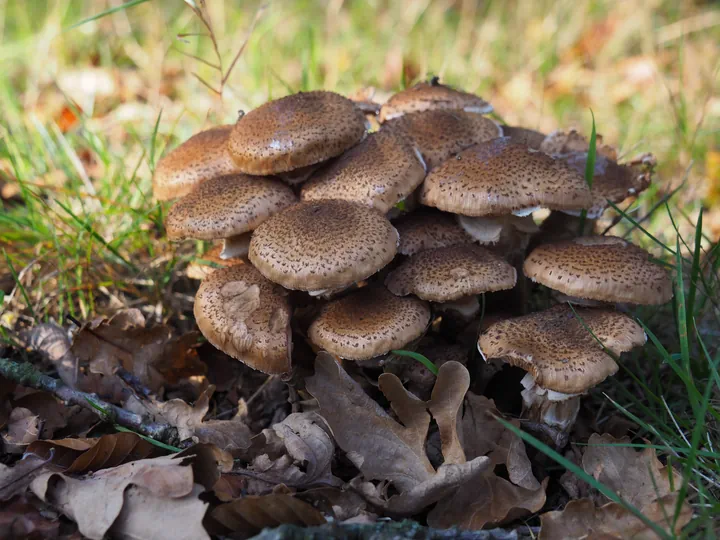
<point x="90" y="102"/>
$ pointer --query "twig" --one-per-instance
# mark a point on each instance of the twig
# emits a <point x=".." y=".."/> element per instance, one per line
<point x="26" y="374"/>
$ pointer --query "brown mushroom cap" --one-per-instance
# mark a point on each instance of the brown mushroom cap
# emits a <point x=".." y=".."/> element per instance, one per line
<point x="560" y="143"/>
<point x="500" y="177"/>
<point x="379" y="172"/>
<point x="446" y="274"/>
<point x="604" y="268"/>
<point x="295" y="131"/>
<point x="368" y="323"/>
<point x="557" y="350"/>
<point x="432" y="95"/>
<point x="325" y="244"/>
<point x="201" y="157"/>
<point x="227" y="206"/>
<point x="441" y="134"/>
<point x="611" y="181"/>
<point x="427" y="228"/>
<point x="247" y="317"/>
<point x="529" y="137"/>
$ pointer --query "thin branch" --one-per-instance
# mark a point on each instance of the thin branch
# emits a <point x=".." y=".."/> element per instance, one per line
<point x="199" y="59"/>
<point x="207" y="84"/>
<point x="26" y="374"/>
<point x="258" y="14"/>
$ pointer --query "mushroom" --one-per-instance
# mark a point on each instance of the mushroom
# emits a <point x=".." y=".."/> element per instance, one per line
<point x="561" y="356"/>
<point x="602" y="268"/>
<point x="247" y="317"/>
<point x="561" y="143"/>
<point x="198" y="270"/>
<point x="432" y="95"/>
<point x="529" y="137"/>
<point x="201" y="157"/>
<point x="428" y="228"/>
<point x="440" y="134"/>
<point x="327" y="244"/>
<point x="294" y="132"/>
<point x="369" y="323"/>
<point x="450" y="273"/>
<point x="227" y="207"/>
<point x="381" y="171"/>
<point x="501" y="177"/>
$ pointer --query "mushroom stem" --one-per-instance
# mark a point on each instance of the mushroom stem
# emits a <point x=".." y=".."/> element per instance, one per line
<point x="236" y="246"/>
<point x="553" y="409"/>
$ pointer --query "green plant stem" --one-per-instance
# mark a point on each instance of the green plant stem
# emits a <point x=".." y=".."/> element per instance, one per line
<point x="26" y="374"/>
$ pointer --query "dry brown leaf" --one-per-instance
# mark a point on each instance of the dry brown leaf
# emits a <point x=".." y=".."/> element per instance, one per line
<point x="447" y="397"/>
<point x="54" y="413"/>
<point x="23" y="428"/>
<point x="88" y="455"/>
<point x="95" y="503"/>
<point x="384" y="449"/>
<point x="20" y="519"/>
<point x="251" y="514"/>
<point x="229" y="435"/>
<point x="303" y="456"/>
<point x="17" y="478"/>
<point x="488" y="499"/>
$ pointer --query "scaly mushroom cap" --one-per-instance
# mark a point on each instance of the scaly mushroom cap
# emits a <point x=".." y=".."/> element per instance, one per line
<point x="500" y="177"/>
<point x="295" y="131"/>
<point x="432" y="95"/>
<point x="446" y="274"/>
<point x="604" y="268"/>
<point x="368" y="323"/>
<point x="201" y="157"/>
<point x="560" y="143"/>
<point x="379" y="172"/>
<point x="325" y="244"/>
<point x="611" y="181"/>
<point x="200" y="270"/>
<point x="441" y="134"/>
<point x="529" y="137"/>
<point x="427" y="228"/>
<point x="557" y="350"/>
<point x="247" y="317"/>
<point x="227" y="206"/>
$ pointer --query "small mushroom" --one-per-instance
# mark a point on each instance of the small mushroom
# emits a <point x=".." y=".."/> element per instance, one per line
<point x="500" y="177"/>
<point x="428" y="228"/>
<point x="432" y="95"/>
<point x="602" y="268"/>
<point x="201" y="157"/>
<point x="450" y="273"/>
<point x="529" y="137"/>
<point x="296" y="131"/>
<point x="328" y="244"/>
<point x="561" y="356"/>
<point x="198" y="270"/>
<point x="369" y="323"/>
<point x="440" y="134"/>
<point x="561" y="143"/>
<point x="227" y="207"/>
<point x="247" y="317"/>
<point x="381" y="171"/>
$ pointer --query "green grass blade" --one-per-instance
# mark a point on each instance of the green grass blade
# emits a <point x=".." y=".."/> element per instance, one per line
<point x="695" y="269"/>
<point x="19" y="284"/>
<point x="121" y="7"/>
<point x="419" y="357"/>
<point x="589" y="168"/>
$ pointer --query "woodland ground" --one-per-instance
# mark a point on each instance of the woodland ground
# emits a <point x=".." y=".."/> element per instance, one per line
<point x="87" y="109"/>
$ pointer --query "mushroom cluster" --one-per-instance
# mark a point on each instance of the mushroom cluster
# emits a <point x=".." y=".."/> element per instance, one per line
<point x="375" y="237"/>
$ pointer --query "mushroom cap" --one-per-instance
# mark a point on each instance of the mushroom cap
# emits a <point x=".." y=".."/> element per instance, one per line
<point x="295" y="131"/>
<point x="201" y="157"/>
<point x="379" y="172"/>
<point x="369" y="322"/>
<point x="227" y="206"/>
<point x="440" y="134"/>
<point x="560" y="143"/>
<point x="432" y="95"/>
<point x="501" y="177"/>
<point x="427" y="228"/>
<point x="198" y="270"/>
<point x="324" y="244"/>
<point x="604" y="268"/>
<point x="446" y="274"/>
<point x="247" y="317"/>
<point x="611" y="181"/>
<point x="529" y="137"/>
<point x="557" y="350"/>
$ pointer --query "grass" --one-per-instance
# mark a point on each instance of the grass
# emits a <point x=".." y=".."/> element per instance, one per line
<point x="87" y="109"/>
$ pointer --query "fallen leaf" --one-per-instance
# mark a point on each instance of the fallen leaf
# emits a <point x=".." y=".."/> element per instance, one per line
<point x="23" y="427"/>
<point x="96" y="502"/>
<point x="88" y="455"/>
<point x="250" y="515"/>
<point x="54" y="413"/>
<point x="445" y="402"/>
<point x="488" y="499"/>
<point x="20" y="519"/>
<point x="383" y="449"/>
<point x="17" y="478"/>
